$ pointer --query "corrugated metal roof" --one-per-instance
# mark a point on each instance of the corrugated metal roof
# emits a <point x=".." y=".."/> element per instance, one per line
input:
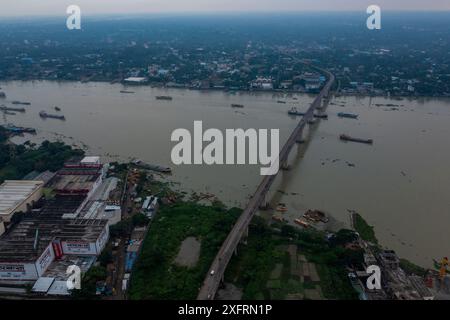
<point x="43" y="284"/>
<point x="15" y="192"/>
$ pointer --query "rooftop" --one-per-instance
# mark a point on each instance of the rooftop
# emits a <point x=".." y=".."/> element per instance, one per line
<point x="14" y="192"/>
<point x="20" y="243"/>
<point x="70" y="181"/>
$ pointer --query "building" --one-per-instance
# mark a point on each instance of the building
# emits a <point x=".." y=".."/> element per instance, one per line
<point x="28" y="250"/>
<point x="312" y="81"/>
<point x="78" y="177"/>
<point x="135" y="80"/>
<point x="18" y="196"/>
<point x="389" y="260"/>
<point x="262" y="83"/>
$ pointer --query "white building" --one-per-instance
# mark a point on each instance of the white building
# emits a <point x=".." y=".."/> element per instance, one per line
<point x="29" y="249"/>
<point x="18" y="196"/>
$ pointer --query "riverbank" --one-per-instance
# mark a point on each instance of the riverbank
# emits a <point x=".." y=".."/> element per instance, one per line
<point x="230" y="89"/>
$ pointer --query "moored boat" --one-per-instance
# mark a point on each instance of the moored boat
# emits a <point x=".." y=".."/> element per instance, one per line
<point x="20" y="102"/>
<point x="164" y="98"/>
<point x="347" y="115"/>
<point x="45" y="115"/>
<point x="152" y="167"/>
<point x="302" y="223"/>
<point x="345" y="137"/>
<point x="4" y="108"/>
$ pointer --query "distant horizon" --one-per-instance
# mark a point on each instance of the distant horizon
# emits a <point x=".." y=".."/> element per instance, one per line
<point x="24" y="8"/>
<point x="218" y="13"/>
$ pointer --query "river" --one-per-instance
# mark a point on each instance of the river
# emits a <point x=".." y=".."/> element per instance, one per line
<point x="400" y="184"/>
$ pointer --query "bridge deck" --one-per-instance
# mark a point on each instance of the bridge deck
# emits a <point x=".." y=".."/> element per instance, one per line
<point x="223" y="257"/>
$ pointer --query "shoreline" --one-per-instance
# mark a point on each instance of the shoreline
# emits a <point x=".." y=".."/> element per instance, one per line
<point x="229" y="90"/>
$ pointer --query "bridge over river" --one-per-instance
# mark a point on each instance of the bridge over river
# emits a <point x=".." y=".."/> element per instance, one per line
<point x="216" y="271"/>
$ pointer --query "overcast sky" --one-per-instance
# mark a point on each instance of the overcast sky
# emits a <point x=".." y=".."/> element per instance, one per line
<point x="58" y="7"/>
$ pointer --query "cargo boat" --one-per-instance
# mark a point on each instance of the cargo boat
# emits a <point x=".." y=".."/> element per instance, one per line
<point x="295" y="112"/>
<point x="347" y="115"/>
<point x="282" y="102"/>
<point x="345" y="137"/>
<point x="235" y="105"/>
<point x="3" y="108"/>
<point x="164" y="98"/>
<point x="45" y="115"/>
<point x="321" y="116"/>
<point x="22" y="103"/>
<point x="19" y="130"/>
<point x="152" y="167"/>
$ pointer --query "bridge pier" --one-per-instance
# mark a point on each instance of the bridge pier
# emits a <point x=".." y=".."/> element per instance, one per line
<point x="300" y="139"/>
<point x="264" y="205"/>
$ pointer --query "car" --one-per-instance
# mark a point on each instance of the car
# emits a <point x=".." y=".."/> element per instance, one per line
<point x="212" y="272"/>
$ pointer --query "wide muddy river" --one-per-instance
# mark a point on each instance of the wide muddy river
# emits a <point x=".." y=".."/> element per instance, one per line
<point x="400" y="184"/>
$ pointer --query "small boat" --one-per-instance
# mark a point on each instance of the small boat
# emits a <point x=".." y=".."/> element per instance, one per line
<point x="235" y="105"/>
<point x="302" y="223"/>
<point x="57" y="108"/>
<point x="125" y="91"/>
<point x="345" y="137"/>
<point x="2" y="94"/>
<point x="22" y="103"/>
<point x="295" y="112"/>
<point x="46" y="115"/>
<point x="347" y="115"/>
<point x="282" y="209"/>
<point x="164" y="98"/>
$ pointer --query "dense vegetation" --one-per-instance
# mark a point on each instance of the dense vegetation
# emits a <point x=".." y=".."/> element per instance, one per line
<point x="364" y="229"/>
<point x="16" y="161"/>
<point x="155" y="275"/>
<point x="251" y="269"/>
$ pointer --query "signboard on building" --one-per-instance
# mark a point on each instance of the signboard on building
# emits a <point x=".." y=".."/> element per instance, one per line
<point x="102" y="239"/>
<point x="79" y="247"/>
<point x="45" y="260"/>
<point x="18" y="271"/>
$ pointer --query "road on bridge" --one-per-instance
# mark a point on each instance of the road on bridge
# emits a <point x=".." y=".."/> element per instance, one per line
<point x="216" y="271"/>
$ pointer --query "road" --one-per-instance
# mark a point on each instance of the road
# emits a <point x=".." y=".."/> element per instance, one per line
<point x="216" y="272"/>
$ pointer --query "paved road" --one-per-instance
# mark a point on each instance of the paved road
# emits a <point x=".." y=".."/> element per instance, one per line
<point x="223" y="257"/>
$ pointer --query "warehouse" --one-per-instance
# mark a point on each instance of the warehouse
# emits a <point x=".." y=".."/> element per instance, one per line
<point x="28" y="250"/>
<point x="18" y="196"/>
<point x="78" y="177"/>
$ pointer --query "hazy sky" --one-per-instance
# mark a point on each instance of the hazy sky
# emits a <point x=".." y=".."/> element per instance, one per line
<point x="58" y="7"/>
